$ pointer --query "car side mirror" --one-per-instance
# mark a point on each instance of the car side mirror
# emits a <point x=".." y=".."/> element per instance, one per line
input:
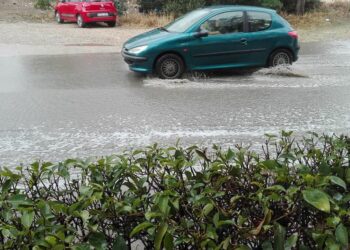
<point x="200" y="34"/>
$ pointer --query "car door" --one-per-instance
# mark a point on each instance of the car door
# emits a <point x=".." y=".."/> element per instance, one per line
<point x="225" y="44"/>
<point x="260" y="38"/>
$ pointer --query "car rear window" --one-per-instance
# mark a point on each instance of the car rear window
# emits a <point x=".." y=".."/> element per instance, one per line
<point x="258" y="21"/>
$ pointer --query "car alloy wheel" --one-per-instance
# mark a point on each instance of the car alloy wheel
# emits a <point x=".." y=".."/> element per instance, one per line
<point x="58" y="18"/>
<point x="80" y="21"/>
<point x="280" y="57"/>
<point x="170" y="66"/>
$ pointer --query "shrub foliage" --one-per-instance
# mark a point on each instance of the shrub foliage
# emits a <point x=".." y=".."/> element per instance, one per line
<point x="293" y="194"/>
<point x="43" y="4"/>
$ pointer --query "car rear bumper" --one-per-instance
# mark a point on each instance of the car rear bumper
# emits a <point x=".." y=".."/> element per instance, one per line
<point x="137" y="63"/>
<point x="94" y="16"/>
<point x="296" y="53"/>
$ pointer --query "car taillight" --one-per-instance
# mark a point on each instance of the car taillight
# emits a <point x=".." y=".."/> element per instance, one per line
<point x="293" y="34"/>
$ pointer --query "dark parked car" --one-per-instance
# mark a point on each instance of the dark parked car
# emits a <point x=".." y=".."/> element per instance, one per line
<point x="218" y="37"/>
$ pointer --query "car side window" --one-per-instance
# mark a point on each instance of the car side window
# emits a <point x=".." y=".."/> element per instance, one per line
<point x="228" y="22"/>
<point x="258" y="21"/>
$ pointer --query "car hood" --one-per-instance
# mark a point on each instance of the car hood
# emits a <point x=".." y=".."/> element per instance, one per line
<point x="148" y="37"/>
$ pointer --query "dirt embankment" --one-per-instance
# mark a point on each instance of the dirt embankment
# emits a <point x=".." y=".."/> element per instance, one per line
<point x="22" y="10"/>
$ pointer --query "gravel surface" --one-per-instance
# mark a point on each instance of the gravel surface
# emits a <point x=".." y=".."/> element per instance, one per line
<point x="23" y="38"/>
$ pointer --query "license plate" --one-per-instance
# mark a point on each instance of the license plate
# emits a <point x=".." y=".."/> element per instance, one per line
<point x="102" y="14"/>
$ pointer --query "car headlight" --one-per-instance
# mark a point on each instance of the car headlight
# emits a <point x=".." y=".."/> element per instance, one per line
<point x="138" y="50"/>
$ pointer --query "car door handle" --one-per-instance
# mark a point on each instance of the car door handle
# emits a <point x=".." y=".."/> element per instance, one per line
<point x="244" y="41"/>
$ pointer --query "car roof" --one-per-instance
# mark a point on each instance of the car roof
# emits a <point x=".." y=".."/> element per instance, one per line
<point x="238" y="7"/>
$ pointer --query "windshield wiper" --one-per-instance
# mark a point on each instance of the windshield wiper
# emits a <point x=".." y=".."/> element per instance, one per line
<point x="164" y="29"/>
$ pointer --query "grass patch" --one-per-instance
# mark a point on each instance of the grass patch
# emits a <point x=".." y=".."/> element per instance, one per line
<point x="140" y="20"/>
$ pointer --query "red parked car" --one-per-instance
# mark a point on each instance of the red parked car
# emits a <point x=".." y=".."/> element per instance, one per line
<point x="86" y="11"/>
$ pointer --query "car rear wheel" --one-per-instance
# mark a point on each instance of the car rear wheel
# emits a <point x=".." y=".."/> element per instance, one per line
<point x="280" y="57"/>
<point x="111" y="24"/>
<point x="58" y="17"/>
<point x="80" y="21"/>
<point x="170" y="66"/>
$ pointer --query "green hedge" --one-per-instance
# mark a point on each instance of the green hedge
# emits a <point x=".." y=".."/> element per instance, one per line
<point x="292" y="194"/>
<point x="44" y="4"/>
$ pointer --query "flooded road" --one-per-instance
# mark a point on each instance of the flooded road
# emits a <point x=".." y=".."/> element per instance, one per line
<point x="57" y="107"/>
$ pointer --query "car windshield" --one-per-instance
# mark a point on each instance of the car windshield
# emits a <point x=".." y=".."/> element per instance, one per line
<point x="185" y="22"/>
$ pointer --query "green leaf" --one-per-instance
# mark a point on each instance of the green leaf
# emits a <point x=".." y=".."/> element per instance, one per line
<point x="216" y="219"/>
<point x="207" y="209"/>
<point x="347" y="175"/>
<point x="85" y="215"/>
<point x="337" y="181"/>
<point x="27" y="219"/>
<point x="230" y="154"/>
<point x="319" y="238"/>
<point x="341" y="235"/>
<point x="83" y="246"/>
<point x="140" y="228"/>
<point x="51" y="240"/>
<point x="119" y="244"/>
<point x="324" y="168"/>
<point x="318" y="199"/>
<point x="19" y="200"/>
<point x="98" y="240"/>
<point x="267" y="245"/>
<point x="291" y="241"/>
<point x="163" y="204"/>
<point x="202" y="155"/>
<point x="270" y="164"/>
<point x="279" y="237"/>
<point x="6" y="233"/>
<point x="59" y="247"/>
<point x="168" y="242"/>
<point x="160" y="235"/>
<point x="243" y="248"/>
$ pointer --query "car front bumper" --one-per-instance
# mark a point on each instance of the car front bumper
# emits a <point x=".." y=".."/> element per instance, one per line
<point x="137" y="63"/>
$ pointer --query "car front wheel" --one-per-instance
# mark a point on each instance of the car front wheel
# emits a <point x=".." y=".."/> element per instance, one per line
<point x="58" y="18"/>
<point x="80" y="21"/>
<point x="280" y="57"/>
<point x="170" y="66"/>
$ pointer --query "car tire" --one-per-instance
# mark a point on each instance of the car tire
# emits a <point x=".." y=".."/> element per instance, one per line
<point x="58" y="17"/>
<point x="170" y="66"/>
<point x="280" y="57"/>
<point x="111" y="24"/>
<point x="80" y="21"/>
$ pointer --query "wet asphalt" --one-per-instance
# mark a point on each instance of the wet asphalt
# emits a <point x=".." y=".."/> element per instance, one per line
<point x="58" y="107"/>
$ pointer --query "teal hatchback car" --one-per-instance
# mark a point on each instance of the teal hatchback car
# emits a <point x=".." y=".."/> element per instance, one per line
<point x="212" y="38"/>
